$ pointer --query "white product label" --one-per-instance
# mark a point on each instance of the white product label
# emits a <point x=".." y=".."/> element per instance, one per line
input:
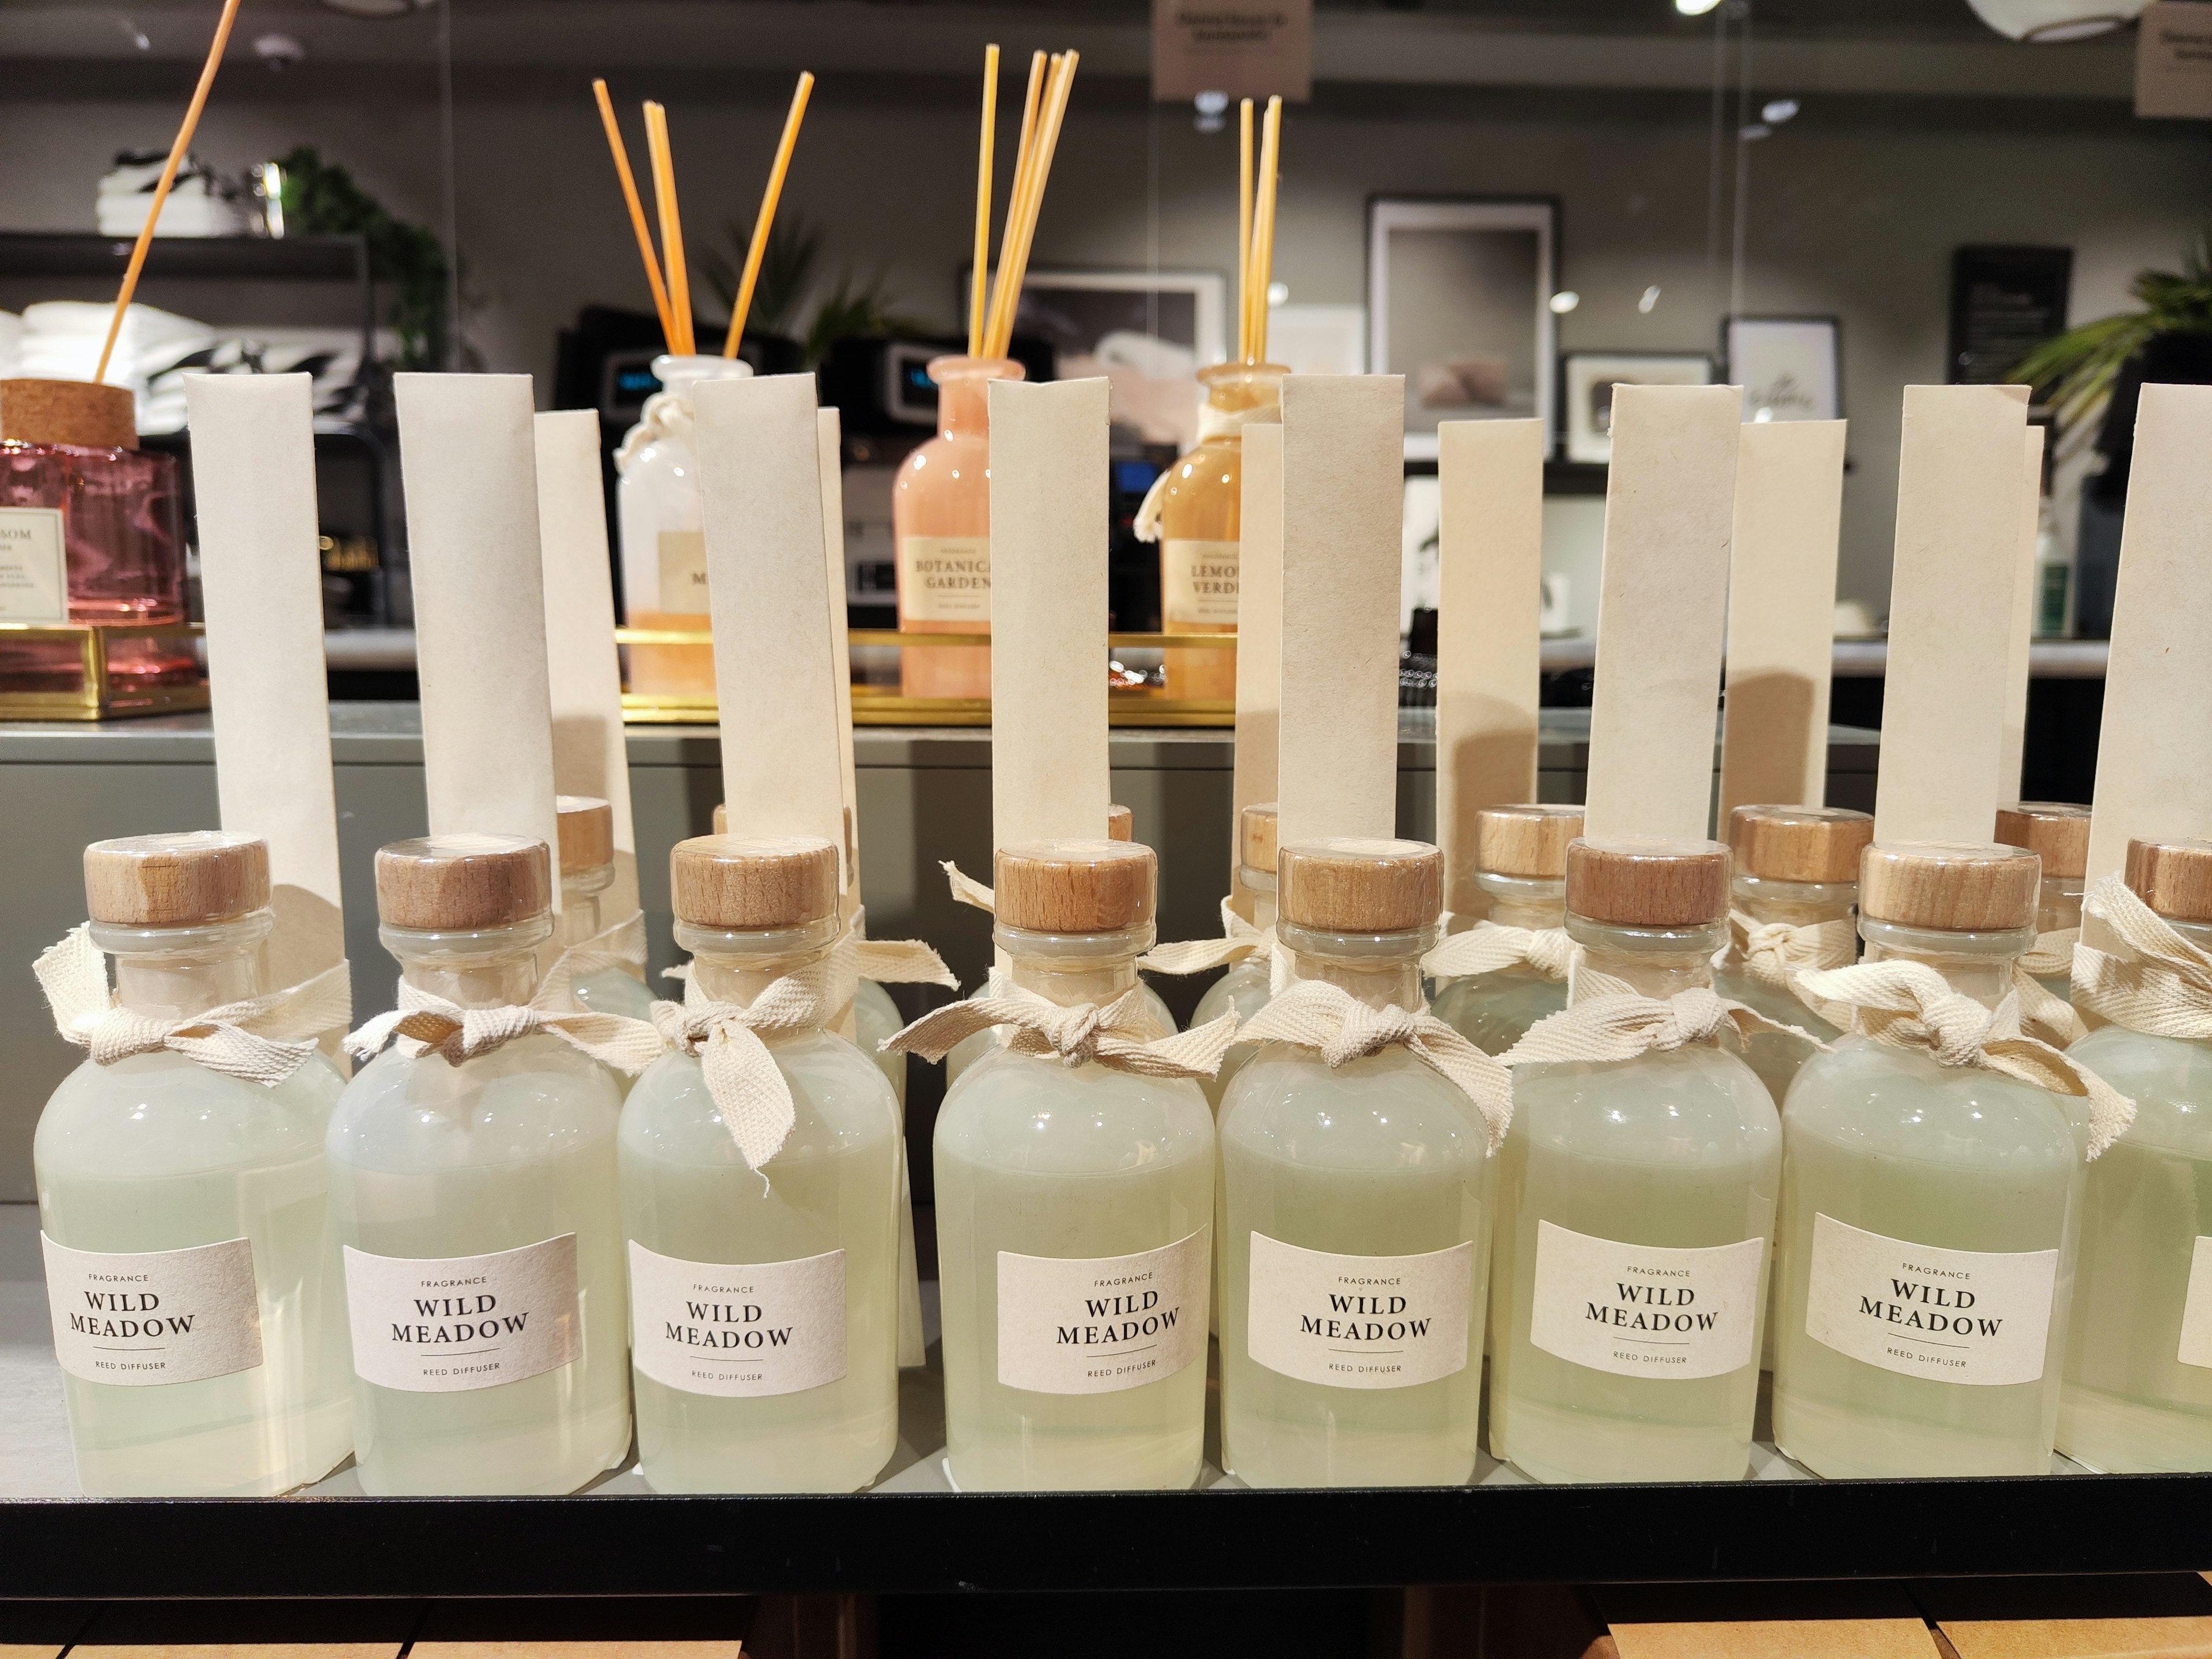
<point x="1096" y="1325"/>
<point x="738" y="1332"/>
<point x="1645" y="1310"/>
<point x="683" y="572"/>
<point x="1976" y="1316"/>
<point x="154" y="1316"/>
<point x="34" y="568"/>
<point x="1359" y="1322"/>
<point x="444" y="1325"/>
<point x="944" y="579"/>
<point x="2197" y="1308"/>
<point x="1198" y="583"/>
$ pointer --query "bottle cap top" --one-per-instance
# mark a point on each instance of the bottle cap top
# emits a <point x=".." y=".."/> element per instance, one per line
<point x="1959" y="887"/>
<point x="1075" y="886"/>
<point x="1350" y="885"/>
<point x="1634" y="883"/>
<point x="744" y="884"/>
<point x="456" y="883"/>
<point x="588" y="833"/>
<point x="2174" y="878"/>
<point x="1121" y="824"/>
<point x="1526" y="841"/>
<point x="176" y="880"/>
<point x="1255" y="836"/>
<point x="1817" y="844"/>
<point x="2057" y="832"/>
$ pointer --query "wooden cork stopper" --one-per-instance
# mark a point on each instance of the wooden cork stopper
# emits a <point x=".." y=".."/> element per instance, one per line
<point x="1075" y="886"/>
<point x="721" y="818"/>
<point x="2056" y="831"/>
<point x="68" y="412"/>
<point x="1351" y="885"/>
<point x="176" y="881"/>
<point x="1121" y="824"/>
<point x="742" y="883"/>
<point x="1799" y="844"/>
<point x="1961" y="887"/>
<point x="2174" y="878"/>
<point x="588" y="833"/>
<point x="454" y="884"/>
<point x="1526" y="841"/>
<point x="1256" y="837"/>
<point x="1648" y="884"/>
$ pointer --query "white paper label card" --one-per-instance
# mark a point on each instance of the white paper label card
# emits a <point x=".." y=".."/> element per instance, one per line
<point x="1974" y="1317"/>
<point x="1097" y="1325"/>
<point x="1198" y="584"/>
<point x="945" y="579"/>
<point x="1359" y="1322"/>
<point x="2197" y="1308"/>
<point x="683" y="572"/>
<point x="141" y="1318"/>
<point x="33" y="566"/>
<point x="1645" y="1310"/>
<point x="737" y="1331"/>
<point x="446" y="1325"/>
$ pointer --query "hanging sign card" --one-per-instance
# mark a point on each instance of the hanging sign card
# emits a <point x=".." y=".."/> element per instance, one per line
<point x="2013" y="749"/>
<point x="1259" y="626"/>
<point x="829" y="463"/>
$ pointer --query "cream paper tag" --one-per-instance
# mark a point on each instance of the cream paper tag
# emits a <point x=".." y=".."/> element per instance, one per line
<point x="33" y="565"/>
<point x="141" y="1318"/>
<point x="1198" y="584"/>
<point x="945" y="579"/>
<point x="1981" y="1317"/>
<point x="1344" y="485"/>
<point x="737" y="1331"/>
<point x="2012" y="752"/>
<point x="683" y="571"/>
<point x="1048" y="527"/>
<point x="1669" y="507"/>
<point x="467" y="449"/>
<point x="2196" y="1348"/>
<point x="1950" y="613"/>
<point x="1780" y="618"/>
<point x="1259" y="625"/>
<point x="1489" y="633"/>
<point x="450" y="1324"/>
<point x="1359" y="1322"/>
<point x="829" y="467"/>
<point x="2155" y="762"/>
<point x="1645" y="1310"/>
<point x="1097" y="1325"/>
<point x="261" y="581"/>
<point x="760" y="489"/>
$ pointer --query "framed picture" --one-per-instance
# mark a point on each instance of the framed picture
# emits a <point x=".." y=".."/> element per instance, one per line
<point x="1459" y="295"/>
<point x="1318" y="339"/>
<point x="1148" y="332"/>
<point x="1790" y="368"/>
<point x="1587" y="379"/>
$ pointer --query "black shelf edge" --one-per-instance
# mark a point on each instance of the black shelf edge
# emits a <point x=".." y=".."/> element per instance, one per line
<point x="932" y="1542"/>
<point x="289" y="259"/>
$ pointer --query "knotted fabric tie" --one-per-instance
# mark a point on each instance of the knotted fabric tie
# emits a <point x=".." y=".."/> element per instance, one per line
<point x="1340" y="1027"/>
<point x="966" y="890"/>
<point x="1239" y="939"/>
<point x="2052" y="956"/>
<point x="426" y="1023"/>
<point x="1909" y="1006"/>
<point x="1775" y="952"/>
<point x="1608" y="1019"/>
<point x="2158" y="981"/>
<point x="1212" y="424"/>
<point x="1117" y="1036"/>
<point x="1489" y="946"/>
<point x="622" y="946"/>
<point x="901" y="962"/>
<point x="665" y="414"/>
<point x="2042" y="1013"/>
<point x="262" y="1039"/>
<point x="748" y="1088"/>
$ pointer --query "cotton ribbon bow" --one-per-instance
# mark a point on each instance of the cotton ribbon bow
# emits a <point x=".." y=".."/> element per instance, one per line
<point x="966" y="890"/>
<point x="1488" y="947"/>
<point x="254" y="1038"/>
<point x="1212" y="424"/>
<point x="1117" y="1036"/>
<point x="748" y="1088"/>
<point x="430" y="1025"/>
<point x="1909" y="1006"/>
<point x="901" y="962"/>
<point x="1329" y="1019"/>
<point x="2157" y="982"/>
<point x="622" y="946"/>
<point x="1775" y="952"/>
<point x="1239" y="939"/>
<point x="2042" y="1012"/>
<point x="1608" y="1019"/>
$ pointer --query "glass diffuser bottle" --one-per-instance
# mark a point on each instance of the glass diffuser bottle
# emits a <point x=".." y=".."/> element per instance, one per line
<point x="1521" y="863"/>
<point x="587" y="829"/>
<point x="1073" y="1214"/>
<point x="2057" y="832"/>
<point x="476" y="1204"/>
<point x="1243" y="986"/>
<point x="1354" y="1207"/>
<point x="1635" y="1205"/>
<point x="194" y="1287"/>
<point x="1930" y="1211"/>
<point x="2137" y="1395"/>
<point x="764" y="1313"/>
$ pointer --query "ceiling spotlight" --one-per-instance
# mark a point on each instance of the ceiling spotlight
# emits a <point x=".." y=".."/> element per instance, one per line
<point x="135" y="35"/>
<point x="2053" y="22"/>
<point x="1776" y="111"/>
<point x="1650" y="298"/>
<point x="1564" y="302"/>
<point x="279" y="52"/>
<point x="1213" y="110"/>
<point x="1695" y="7"/>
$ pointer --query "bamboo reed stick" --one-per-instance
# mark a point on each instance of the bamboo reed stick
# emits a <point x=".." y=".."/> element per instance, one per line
<point x="758" y="248"/>
<point x="615" y="146"/>
<point x="1263" y="229"/>
<point x="672" y="226"/>
<point x="168" y="178"/>
<point x="1048" y="127"/>
<point x="1244" y="231"/>
<point x="978" y="288"/>
<point x="1024" y="159"/>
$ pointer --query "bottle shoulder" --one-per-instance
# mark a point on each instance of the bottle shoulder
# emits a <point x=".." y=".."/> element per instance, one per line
<point x="1023" y="1111"/>
<point x="2169" y="1079"/>
<point x="1692" y="1105"/>
<point x="841" y="1104"/>
<point x="1384" y="1111"/>
<point x="1865" y="1096"/>
<point x="161" y="1114"/>
<point x="529" y="1099"/>
<point x="1243" y="990"/>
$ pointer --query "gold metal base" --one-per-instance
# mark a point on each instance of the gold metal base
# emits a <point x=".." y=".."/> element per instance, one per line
<point x="95" y="697"/>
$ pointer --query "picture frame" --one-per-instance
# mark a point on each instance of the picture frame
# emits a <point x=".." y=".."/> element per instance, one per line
<point x="1790" y="368"/>
<point x="1586" y="383"/>
<point x="1459" y="301"/>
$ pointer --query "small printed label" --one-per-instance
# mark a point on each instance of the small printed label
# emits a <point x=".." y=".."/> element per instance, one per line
<point x="1645" y="1310"/>
<point x="1198" y="583"/>
<point x="444" y="1325"/>
<point x="34" y="569"/>
<point x="1974" y="1317"/>
<point x="154" y="1316"/>
<point x="737" y="1331"/>
<point x="2197" y="1308"/>
<point x="1096" y="1325"/>
<point x="1359" y="1322"/>
<point x="683" y="572"/>
<point x="944" y="579"/>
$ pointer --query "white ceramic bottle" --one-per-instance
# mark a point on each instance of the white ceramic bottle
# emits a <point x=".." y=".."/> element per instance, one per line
<point x="764" y="1301"/>
<point x="1242" y="988"/>
<point x="2057" y="832"/>
<point x="1354" y="1209"/>
<point x="2137" y="1396"/>
<point x="1931" y="1212"/>
<point x="193" y="1280"/>
<point x="587" y="871"/>
<point x="1073" y="1208"/>
<point x="1635" y="1205"/>
<point x="476" y="1204"/>
<point x="1521" y="854"/>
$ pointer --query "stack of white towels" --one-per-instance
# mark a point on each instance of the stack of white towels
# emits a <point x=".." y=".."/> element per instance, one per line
<point x="198" y="203"/>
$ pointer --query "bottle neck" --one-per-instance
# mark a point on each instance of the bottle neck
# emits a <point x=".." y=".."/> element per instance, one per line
<point x="736" y="967"/>
<point x="172" y="973"/>
<point x="1976" y="965"/>
<point x="1261" y="885"/>
<point x="1071" y="970"/>
<point x="579" y="910"/>
<point x="1793" y="903"/>
<point x="2059" y="907"/>
<point x="1526" y="901"/>
<point x="1654" y="962"/>
<point x="1382" y="970"/>
<point x="964" y="394"/>
<point x="490" y="968"/>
